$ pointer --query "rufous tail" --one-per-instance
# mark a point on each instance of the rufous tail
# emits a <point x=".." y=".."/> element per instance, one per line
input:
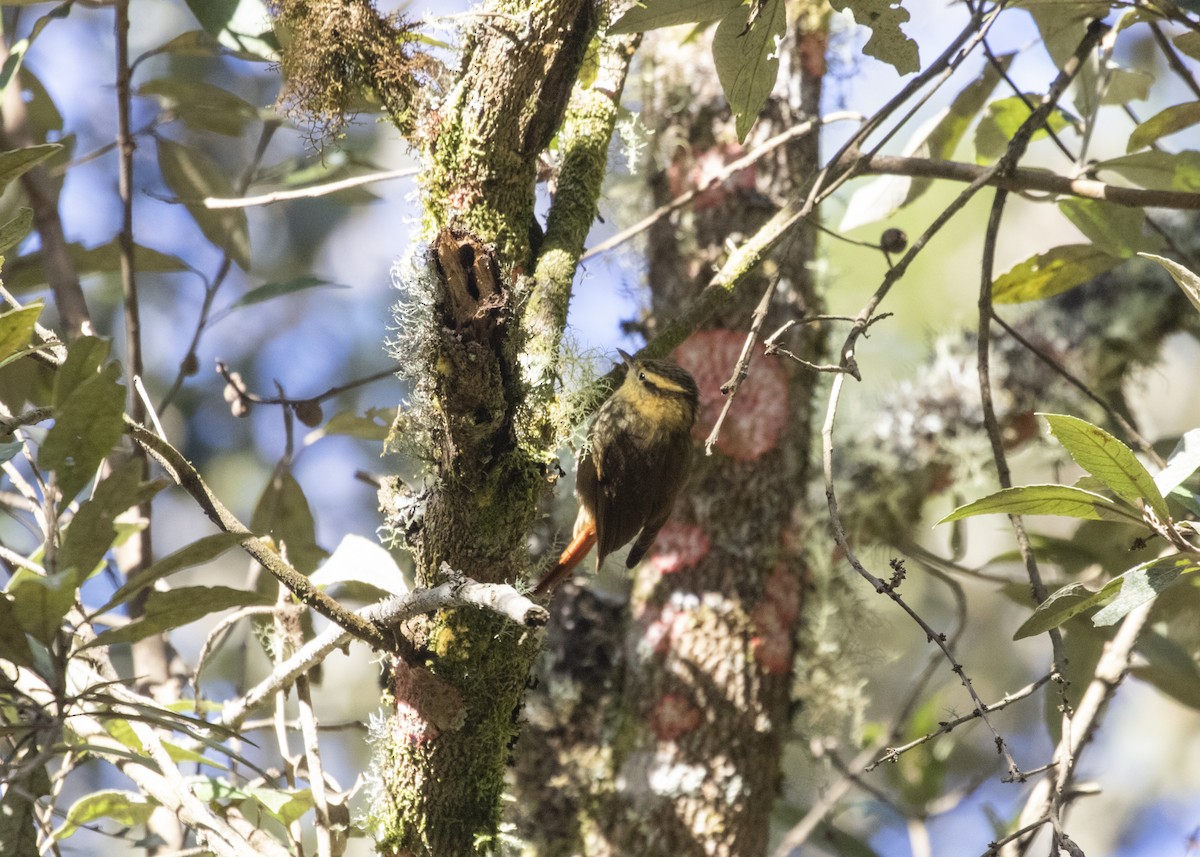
<point x="574" y="553"/>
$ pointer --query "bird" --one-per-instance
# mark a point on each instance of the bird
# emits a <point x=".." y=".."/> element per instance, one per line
<point x="630" y="471"/>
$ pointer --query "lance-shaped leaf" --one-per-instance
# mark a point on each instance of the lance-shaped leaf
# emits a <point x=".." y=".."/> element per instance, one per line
<point x="1060" y="606"/>
<point x="200" y="551"/>
<point x="1141" y="583"/>
<point x="87" y="424"/>
<point x="127" y="809"/>
<point x="165" y="611"/>
<point x="1058" y="270"/>
<point x="16" y="329"/>
<point x="1061" y="500"/>
<point x="1169" y="121"/>
<point x="1116" y="228"/>
<point x="92" y="532"/>
<point x="653" y="14"/>
<point x="193" y="177"/>
<point x="1189" y="282"/>
<point x="746" y="59"/>
<point x="1120" y="595"/>
<point x="1109" y="460"/>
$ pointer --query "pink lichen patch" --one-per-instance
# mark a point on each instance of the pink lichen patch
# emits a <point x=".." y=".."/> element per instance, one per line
<point x="426" y="705"/>
<point x="783" y="590"/>
<point x="697" y="170"/>
<point x="774" y="619"/>
<point x="759" y="412"/>
<point x="661" y="626"/>
<point x="677" y="547"/>
<point x="674" y="716"/>
<point x="410" y="727"/>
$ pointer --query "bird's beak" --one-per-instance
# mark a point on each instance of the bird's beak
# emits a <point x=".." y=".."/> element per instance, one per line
<point x="627" y="357"/>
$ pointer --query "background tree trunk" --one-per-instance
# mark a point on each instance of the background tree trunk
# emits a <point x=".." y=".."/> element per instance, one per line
<point x="659" y="725"/>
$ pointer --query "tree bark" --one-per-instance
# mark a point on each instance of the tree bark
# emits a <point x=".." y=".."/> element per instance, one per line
<point x="442" y="758"/>
<point x="659" y="725"/>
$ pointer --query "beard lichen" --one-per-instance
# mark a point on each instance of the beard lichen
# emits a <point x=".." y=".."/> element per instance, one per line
<point x="340" y="58"/>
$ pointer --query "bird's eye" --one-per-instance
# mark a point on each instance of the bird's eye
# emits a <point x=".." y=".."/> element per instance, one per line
<point x="641" y="376"/>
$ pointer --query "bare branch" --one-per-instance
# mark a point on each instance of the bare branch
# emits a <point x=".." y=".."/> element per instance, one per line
<point x="311" y="192"/>
<point x="1024" y="180"/>
<point x="456" y="591"/>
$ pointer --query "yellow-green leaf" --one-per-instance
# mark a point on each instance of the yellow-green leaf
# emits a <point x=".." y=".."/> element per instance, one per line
<point x="1062" y="500"/>
<point x="1052" y="273"/>
<point x="1109" y="460"/>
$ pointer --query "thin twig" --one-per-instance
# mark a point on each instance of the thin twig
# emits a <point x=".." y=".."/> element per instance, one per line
<point x="455" y="591"/>
<point x="732" y="168"/>
<point x="742" y="366"/>
<point x="234" y="381"/>
<point x="1173" y="60"/>
<point x="187" y="477"/>
<point x="893" y="753"/>
<point x="1129" y="428"/>
<point x="310" y="192"/>
<point x="187" y="366"/>
<point x="1024" y="180"/>
<point x="1106" y="678"/>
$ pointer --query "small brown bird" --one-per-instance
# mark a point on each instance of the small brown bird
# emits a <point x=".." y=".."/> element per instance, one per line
<point x="638" y="455"/>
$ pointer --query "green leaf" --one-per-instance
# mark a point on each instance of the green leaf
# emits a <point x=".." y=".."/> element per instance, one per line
<point x="1061" y="500"/>
<point x="267" y="291"/>
<point x="193" y="177"/>
<point x="16" y="162"/>
<point x="966" y="106"/>
<point x="202" y="105"/>
<point x="174" y="608"/>
<point x="16" y="329"/>
<point x="1125" y="85"/>
<point x="1140" y="584"/>
<point x="87" y="425"/>
<point x="888" y="43"/>
<point x="19" y="820"/>
<point x="128" y="809"/>
<point x="1182" y="463"/>
<point x="198" y="552"/>
<point x="655" y="14"/>
<point x="284" y="806"/>
<point x="40" y="602"/>
<point x="1001" y="121"/>
<point x="84" y="359"/>
<point x="283" y="513"/>
<point x="17" y="51"/>
<point x="1062" y="24"/>
<point x="193" y="43"/>
<point x="746" y="59"/>
<point x="91" y="532"/>
<point x="14" y="645"/>
<point x="1116" y="228"/>
<point x="237" y="25"/>
<point x="1169" y="668"/>
<point x="1164" y="123"/>
<point x="1109" y="460"/>
<point x="1159" y="170"/>
<point x="372" y="425"/>
<point x="15" y="231"/>
<point x="1060" y="606"/>
<point x="9" y="451"/>
<point x="1189" y="43"/>
<point x="1058" y="270"/>
<point x="1189" y="282"/>
<point x="29" y="271"/>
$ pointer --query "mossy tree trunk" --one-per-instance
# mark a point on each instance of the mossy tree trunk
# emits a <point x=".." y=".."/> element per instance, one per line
<point x="478" y="416"/>
<point x="660" y="725"/>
